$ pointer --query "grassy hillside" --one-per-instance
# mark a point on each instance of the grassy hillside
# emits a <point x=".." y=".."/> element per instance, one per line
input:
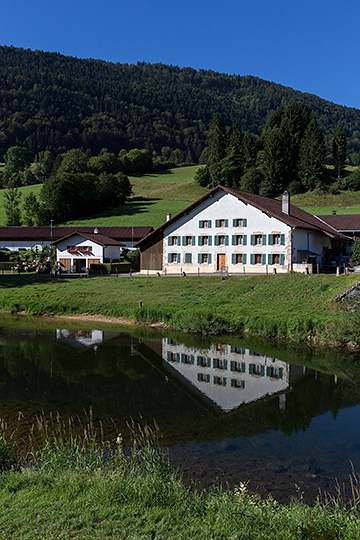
<point x="24" y="192"/>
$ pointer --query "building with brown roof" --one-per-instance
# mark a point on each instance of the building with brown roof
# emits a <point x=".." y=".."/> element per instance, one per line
<point x="229" y="229"/>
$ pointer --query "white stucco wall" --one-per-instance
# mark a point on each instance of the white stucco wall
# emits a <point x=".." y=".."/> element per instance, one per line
<point x="226" y="206"/>
<point x="96" y="251"/>
<point x="311" y="241"/>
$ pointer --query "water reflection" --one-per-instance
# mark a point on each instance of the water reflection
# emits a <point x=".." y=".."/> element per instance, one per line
<point x="228" y="412"/>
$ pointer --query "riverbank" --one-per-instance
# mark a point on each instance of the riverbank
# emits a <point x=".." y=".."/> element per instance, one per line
<point x="285" y="306"/>
<point x="77" y="488"/>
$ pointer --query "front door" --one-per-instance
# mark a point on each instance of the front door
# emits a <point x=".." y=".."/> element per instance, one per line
<point x="79" y="265"/>
<point x="221" y="261"/>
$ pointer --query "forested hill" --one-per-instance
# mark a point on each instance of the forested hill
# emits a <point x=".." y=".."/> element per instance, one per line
<point x="49" y="101"/>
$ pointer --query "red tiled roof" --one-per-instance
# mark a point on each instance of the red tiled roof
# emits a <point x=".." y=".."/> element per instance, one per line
<point x="342" y="222"/>
<point x="296" y="217"/>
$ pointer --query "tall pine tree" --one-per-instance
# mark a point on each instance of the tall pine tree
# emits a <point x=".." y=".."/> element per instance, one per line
<point x="312" y="156"/>
<point x="339" y="151"/>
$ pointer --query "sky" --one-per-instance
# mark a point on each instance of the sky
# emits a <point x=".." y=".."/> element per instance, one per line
<point x="310" y="45"/>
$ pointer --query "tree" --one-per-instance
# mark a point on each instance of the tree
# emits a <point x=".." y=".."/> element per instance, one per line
<point x="312" y="156"/>
<point x="12" y="206"/>
<point x="356" y="252"/>
<point x="339" y="151"/>
<point x="31" y="208"/>
<point x="271" y="164"/>
<point x="216" y="140"/>
<point x="17" y="159"/>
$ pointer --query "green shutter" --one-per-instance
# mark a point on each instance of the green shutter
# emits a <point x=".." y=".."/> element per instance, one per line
<point x="188" y="258"/>
<point x="252" y="240"/>
<point x="262" y="370"/>
<point x="209" y="258"/>
<point x="224" y="381"/>
<point x="244" y="258"/>
<point x="282" y="259"/>
<point x="210" y="240"/>
<point x="231" y="365"/>
<point x="243" y="367"/>
<point x="244" y="240"/>
<point x="208" y="362"/>
<point x="244" y="222"/>
<point x="281" y="373"/>
<point x="178" y="257"/>
<point x="169" y="356"/>
<point x="234" y="222"/>
<point x="169" y="240"/>
<point x="193" y="241"/>
<point x="263" y="258"/>
<point x="225" y="364"/>
<point x="199" y="240"/>
<point x="199" y="258"/>
<point x="178" y="357"/>
<point x="182" y="358"/>
<point x="169" y="257"/>
<point x="214" y="363"/>
<point x="183" y="240"/>
<point x="216" y="240"/>
<point x="269" y="258"/>
<point x="264" y="239"/>
<point x="268" y="371"/>
<point x="233" y="240"/>
<point x="216" y="222"/>
<point x="201" y="224"/>
<point x="282" y="239"/>
<point x="209" y="223"/>
<point x="226" y="222"/>
<point x="226" y="240"/>
<point x="270" y="239"/>
<point x="252" y="258"/>
<point x="192" y="359"/>
<point x="233" y="258"/>
<point x="198" y="361"/>
<point x="251" y="368"/>
<point x="179" y="240"/>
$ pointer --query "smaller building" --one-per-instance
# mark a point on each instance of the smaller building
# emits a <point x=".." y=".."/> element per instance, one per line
<point x="347" y="224"/>
<point x="77" y="251"/>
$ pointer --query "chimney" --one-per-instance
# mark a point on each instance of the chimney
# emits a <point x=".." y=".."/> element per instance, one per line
<point x="168" y="217"/>
<point x="96" y="230"/>
<point x="286" y="203"/>
<point x="334" y="212"/>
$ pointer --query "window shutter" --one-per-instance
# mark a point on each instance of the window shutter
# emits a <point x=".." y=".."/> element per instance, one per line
<point x="231" y="365"/>
<point x="244" y="240"/>
<point x="216" y="240"/>
<point x="199" y="258"/>
<point x="243" y="367"/>
<point x="201" y="224"/>
<point x="252" y="239"/>
<point x="233" y="258"/>
<point x="234" y="222"/>
<point x="209" y="223"/>
<point x="169" y="356"/>
<point x="251" y="368"/>
<point x="183" y="240"/>
<point x="226" y="222"/>
<point x="169" y="240"/>
<point x="270" y="240"/>
<point x="226" y="240"/>
<point x="232" y="382"/>
<point x="168" y="341"/>
<point x="208" y="361"/>
<point x="182" y="358"/>
<point x="268" y="371"/>
<point x="192" y="359"/>
<point x="281" y="373"/>
<point x="262" y="370"/>
<point x="233" y="240"/>
<point x="198" y="361"/>
<point x="188" y="258"/>
<point x="179" y="240"/>
<point x="169" y="257"/>
<point x="224" y="381"/>
<point x="216" y="222"/>
<point x="214" y="362"/>
<point x="244" y="258"/>
<point x="199" y="240"/>
<point x="209" y="258"/>
<point x="244" y="222"/>
<point x="282" y="259"/>
<point x="210" y="240"/>
<point x="193" y="241"/>
<point x="264" y="239"/>
<point x="269" y="258"/>
<point x="252" y="258"/>
<point x="225" y="364"/>
<point x="263" y="258"/>
<point x="178" y="257"/>
<point x="178" y="357"/>
<point x="282" y="239"/>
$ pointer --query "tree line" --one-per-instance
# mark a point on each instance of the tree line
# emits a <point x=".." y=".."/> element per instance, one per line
<point x="54" y="103"/>
<point x="289" y="154"/>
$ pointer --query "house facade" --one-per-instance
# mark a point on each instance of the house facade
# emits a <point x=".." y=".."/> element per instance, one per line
<point x="77" y="251"/>
<point x="239" y="232"/>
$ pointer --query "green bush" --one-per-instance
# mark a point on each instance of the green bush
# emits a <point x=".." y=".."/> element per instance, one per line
<point x="111" y="268"/>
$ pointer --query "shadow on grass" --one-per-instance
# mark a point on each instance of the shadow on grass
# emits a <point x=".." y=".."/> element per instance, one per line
<point x="14" y="281"/>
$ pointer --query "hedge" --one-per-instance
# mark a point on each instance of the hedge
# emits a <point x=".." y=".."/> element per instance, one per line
<point x="104" y="268"/>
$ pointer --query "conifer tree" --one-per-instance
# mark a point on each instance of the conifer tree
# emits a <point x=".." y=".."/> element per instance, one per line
<point x="339" y="150"/>
<point x="312" y="156"/>
<point x="216" y="140"/>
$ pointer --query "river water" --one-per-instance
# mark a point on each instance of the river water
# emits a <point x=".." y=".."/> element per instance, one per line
<point x="284" y="418"/>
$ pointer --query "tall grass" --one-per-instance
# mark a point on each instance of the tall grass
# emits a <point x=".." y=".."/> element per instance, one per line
<point x="70" y="492"/>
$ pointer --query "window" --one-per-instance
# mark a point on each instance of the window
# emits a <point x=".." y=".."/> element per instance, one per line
<point x="219" y="381"/>
<point x="257" y="369"/>
<point x="219" y="363"/>
<point x="205" y="224"/>
<point x="188" y="258"/>
<point x="221" y="347"/>
<point x="236" y="383"/>
<point x="202" y="361"/>
<point x="221" y="223"/>
<point x="239" y="367"/>
<point x="188" y="240"/>
<point x="173" y="258"/>
<point x="238" y="240"/>
<point x="238" y="350"/>
<point x="276" y="239"/>
<point x="221" y="240"/>
<point x="239" y="222"/>
<point x="187" y="359"/>
<point x="204" y="258"/>
<point x="173" y="357"/>
<point x="257" y="258"/>
<point x="275" y="258"/>
<point x="204" y="240"/>
<point x="173" y="240"/>
<point x="238" y="258"/>
<point x="171" y="341"/>
<point x="258" y="239"/>
<point x="203" y="377"/>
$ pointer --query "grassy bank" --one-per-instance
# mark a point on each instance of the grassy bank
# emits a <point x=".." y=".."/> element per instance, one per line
<point x="292" y="306"/>
<point x="77" y="488"/>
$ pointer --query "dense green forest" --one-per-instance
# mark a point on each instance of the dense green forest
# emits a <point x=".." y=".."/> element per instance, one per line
<point x="52" y="102"/>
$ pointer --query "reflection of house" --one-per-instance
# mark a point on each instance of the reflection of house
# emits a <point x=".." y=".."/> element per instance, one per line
<point x="77" y="251"/>
<point x="229" y="376"/>
<point x="15" y="238"/>
<point x="241" y="232"/>
<point x="80" y="339"/>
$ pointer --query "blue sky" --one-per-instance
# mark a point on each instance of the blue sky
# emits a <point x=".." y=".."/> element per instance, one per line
<point x="312" y="46"/>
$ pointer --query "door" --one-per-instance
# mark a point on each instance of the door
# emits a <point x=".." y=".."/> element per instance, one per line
<point x="221" y="261"/>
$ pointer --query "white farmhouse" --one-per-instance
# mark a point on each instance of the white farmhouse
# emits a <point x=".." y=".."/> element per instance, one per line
<point x="239" y="232"/>
<point x="77" y="251"/>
